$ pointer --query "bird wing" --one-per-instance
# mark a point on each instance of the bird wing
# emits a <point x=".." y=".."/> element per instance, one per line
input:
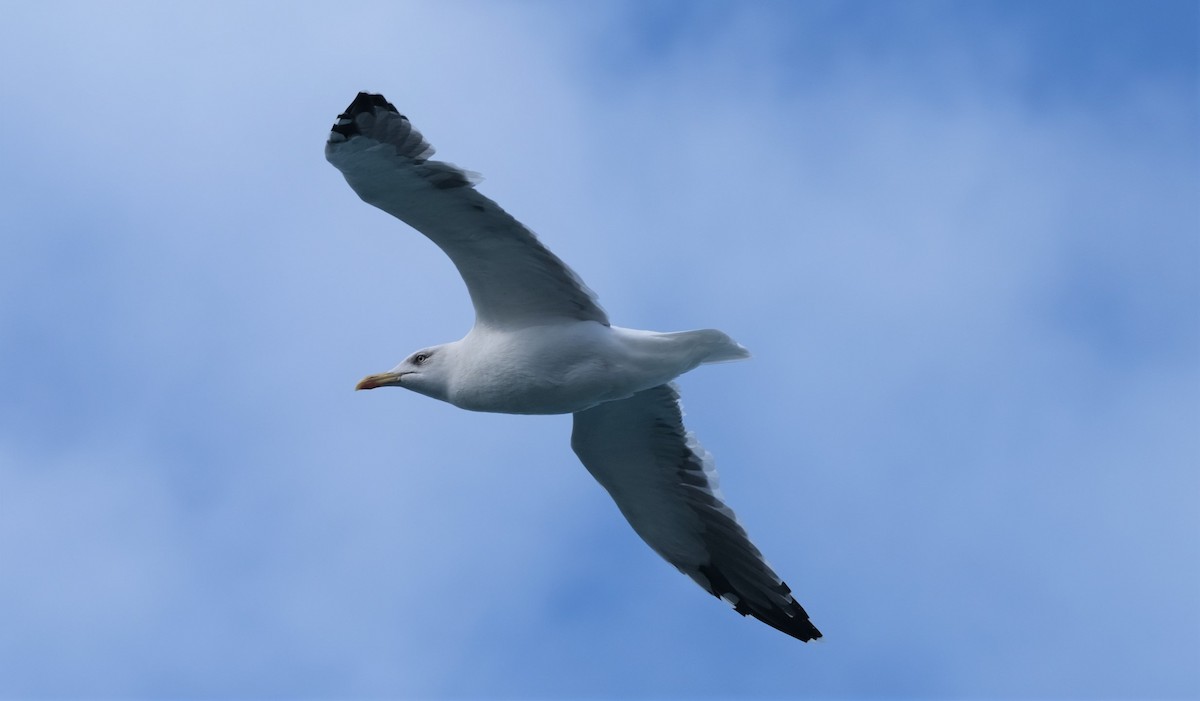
<point x="512" y="278"/>
<point x="665" y="484"/>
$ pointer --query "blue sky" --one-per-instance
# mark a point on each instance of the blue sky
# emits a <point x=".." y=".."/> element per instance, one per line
<point x="961" y="239"/>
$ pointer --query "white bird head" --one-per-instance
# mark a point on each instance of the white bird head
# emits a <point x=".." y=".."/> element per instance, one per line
<point x="426" y="372"/>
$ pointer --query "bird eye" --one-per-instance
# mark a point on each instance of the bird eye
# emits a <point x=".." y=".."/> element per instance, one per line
<point x="420" y="358"/>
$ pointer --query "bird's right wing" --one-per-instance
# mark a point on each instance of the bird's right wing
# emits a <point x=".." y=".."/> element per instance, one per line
<point x="513" y="279"/>
<point x="665" y="485"/>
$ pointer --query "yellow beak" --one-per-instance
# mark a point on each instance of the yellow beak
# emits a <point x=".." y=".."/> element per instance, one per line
<point x="383" y="379"/>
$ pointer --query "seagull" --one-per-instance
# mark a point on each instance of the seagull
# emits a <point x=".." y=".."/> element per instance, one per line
<point x="541" y="344"/>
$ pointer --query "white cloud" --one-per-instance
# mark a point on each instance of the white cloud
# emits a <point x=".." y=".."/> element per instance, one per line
<point x="953" y="467"/>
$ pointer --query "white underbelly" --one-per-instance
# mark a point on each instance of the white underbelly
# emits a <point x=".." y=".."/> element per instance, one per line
<point x="552" y="370"/>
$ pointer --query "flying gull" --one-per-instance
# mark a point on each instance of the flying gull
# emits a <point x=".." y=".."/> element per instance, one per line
<point x="541" y="344"/>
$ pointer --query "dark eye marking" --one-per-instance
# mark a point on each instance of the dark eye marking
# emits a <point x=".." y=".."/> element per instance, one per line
<point x="420" y="358"/>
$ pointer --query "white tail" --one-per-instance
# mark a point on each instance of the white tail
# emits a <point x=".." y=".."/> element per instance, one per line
<point x="712" y="346"/>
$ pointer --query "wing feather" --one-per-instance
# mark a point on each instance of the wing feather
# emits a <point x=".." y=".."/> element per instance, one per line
<point x="512" y="278"/>
<point x="665" y="485"/>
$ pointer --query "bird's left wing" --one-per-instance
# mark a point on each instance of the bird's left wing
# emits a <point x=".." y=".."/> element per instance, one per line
<point x="513" y="279"/>
<point x="664" y="483"/>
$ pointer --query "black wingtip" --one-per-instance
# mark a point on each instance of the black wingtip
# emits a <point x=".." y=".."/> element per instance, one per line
<point x="797" y="626"/>
<point x="366" y="102"/>
<point x="363" y="102"/>
<point x="792" y="619"/>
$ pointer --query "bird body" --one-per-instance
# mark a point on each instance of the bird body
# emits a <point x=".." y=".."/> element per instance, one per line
<point x="541" y="344"/>
<point x="557" y="368"/>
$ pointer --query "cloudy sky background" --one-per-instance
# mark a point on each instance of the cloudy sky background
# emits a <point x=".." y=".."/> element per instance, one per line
<point x="961" y="239"/>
